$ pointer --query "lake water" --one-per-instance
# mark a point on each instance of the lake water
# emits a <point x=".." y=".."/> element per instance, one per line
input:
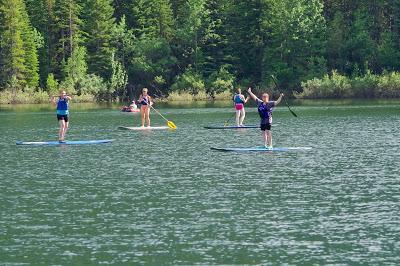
<point x="164" y="197"/>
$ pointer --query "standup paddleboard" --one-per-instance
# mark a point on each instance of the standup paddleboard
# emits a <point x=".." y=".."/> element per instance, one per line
<point x="143" y="128"/>
<point x="68" y="142"/>
<point x="229" y="127"/>
<point x="261" y="149"/>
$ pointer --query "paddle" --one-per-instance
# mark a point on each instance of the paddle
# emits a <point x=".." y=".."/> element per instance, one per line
<point x="284" y="99"/>
<point x="230" y="118"/>
<point x="170" y="124"/>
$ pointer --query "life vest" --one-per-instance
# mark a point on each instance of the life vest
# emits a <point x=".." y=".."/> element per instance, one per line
<point x="237" y="99"/>
<point x="62" y="106"/>
<point x="145" y="100"/>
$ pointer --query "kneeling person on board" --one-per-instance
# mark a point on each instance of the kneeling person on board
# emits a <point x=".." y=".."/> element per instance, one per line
<point x="133" y="105"/>
<point x="265" y="108"/>
<point x="239" y="100"/>
<point x="145" y="101"/>
<point x="62" y="113"/>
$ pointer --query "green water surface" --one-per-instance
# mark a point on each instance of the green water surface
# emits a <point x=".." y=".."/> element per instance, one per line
<point x="164" y="197"/>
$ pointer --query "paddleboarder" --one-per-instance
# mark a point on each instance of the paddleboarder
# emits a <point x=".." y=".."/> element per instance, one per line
<point x="133" y="105"/>
<point x="146" y="102"/>
<point x="265" y="108"/>
<point x="62" y="104"/>
<point x="238" y="101"/>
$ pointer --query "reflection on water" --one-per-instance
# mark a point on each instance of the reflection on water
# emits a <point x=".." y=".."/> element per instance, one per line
<point x="164" y="197"/>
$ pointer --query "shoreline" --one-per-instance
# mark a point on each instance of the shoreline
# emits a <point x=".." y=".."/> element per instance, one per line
<point x="78" y="106"/>
<point x="179" y="99"/>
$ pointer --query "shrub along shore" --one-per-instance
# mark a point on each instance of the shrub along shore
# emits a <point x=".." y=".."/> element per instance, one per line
<point x="333" y="86"/>
<point x="41" y="96"/>
<point x="336" y="86"/>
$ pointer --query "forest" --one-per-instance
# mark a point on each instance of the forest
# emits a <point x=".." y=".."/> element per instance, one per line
<point x="108" y="50"/>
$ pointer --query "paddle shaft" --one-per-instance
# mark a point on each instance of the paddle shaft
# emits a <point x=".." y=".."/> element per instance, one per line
<point x="226" y="122"/>
<point x="159" y="113"/>
<point x="284" y="99"/>
<point x="149" y="104"/>
<point x="169" y="123"/>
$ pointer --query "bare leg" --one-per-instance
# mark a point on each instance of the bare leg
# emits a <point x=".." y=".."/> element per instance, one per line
<point x="269" y="138"/>
<point x="148" y="116"/>
<point x="242" y="116"/>
<point x="65" y="129"/>
<point x="143" y="114"/>
<point x="61" y="130"/>
<point x="265" y="138"/>
<point x="237" y="117"/>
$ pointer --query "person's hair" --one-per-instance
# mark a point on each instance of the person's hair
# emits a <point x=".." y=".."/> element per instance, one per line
<point x="238" y="90"/>
<point x="265" y="94"/>
<point x="145" y="89"/>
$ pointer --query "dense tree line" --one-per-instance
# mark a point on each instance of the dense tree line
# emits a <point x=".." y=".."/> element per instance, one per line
<point x="112" y="48"/>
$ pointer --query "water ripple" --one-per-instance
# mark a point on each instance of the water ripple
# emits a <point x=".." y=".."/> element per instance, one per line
<point x="164" y="197"/>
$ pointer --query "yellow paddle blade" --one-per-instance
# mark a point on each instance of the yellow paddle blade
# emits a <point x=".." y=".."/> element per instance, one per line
<point x="171" y="124"/>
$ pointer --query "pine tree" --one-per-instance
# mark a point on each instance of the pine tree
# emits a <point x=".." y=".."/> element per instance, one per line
<point x="214" y="42"/>
<point x="12" y="45"/>
<point x="19" y="45"/>
<point x="32" y="41"/>
<point x="295" y="46"/>
<point x="122" y="41"/>
<point x="42" y="19"/>
<point x="359" y="49"/>
<point x="336" y="40"/>
<point x="65" y="34"/>
<point x="189" y="33"/>
<point x="246" y="38"/>
<point x="154" y="19"/>
<point x="99" y="26"/>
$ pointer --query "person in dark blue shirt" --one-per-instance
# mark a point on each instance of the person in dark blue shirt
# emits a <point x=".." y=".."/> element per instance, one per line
<point x="265" y="108"/>
<point x="62" y="104"/>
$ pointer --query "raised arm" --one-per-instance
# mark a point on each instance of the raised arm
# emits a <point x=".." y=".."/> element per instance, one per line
<point x="279" y="99"/>
<point x="252" y="95"/>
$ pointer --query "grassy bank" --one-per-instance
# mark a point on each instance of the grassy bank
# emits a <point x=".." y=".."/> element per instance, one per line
<point x="27" y="97"/>
<point x="37" y="97"/>
<point x="337" y="86"/>
<point x="201" y="96"/>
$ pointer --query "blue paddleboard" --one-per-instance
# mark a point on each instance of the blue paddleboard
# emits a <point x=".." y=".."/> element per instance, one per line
<point x="68" y="142"/>
<point x="229" y="127"/>
<point x="261" y="149"/>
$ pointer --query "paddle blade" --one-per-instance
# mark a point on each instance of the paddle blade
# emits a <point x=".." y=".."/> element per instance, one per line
<point x="171" y="125"/>
<point x="293" y="113"/>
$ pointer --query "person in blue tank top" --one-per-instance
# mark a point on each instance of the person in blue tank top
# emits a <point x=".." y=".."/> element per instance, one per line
<point x="239" y="100"/>
<point x="62" y="104"/>
<point x="265" y="108"/>
<point x="146" y="102"/>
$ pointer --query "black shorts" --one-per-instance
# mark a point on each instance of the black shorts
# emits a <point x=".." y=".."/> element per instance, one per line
<point x="62" y="117"/>
<point x="264" y="127"/>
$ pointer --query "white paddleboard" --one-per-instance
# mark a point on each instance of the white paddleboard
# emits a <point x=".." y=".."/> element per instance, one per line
<point x="143" y="128"/>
